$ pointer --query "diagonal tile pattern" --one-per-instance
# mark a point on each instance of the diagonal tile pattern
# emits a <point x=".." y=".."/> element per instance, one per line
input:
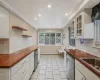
<point x="51" y="67"/>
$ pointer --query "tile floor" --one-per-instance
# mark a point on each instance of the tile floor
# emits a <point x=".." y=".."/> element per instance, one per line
<point x="51" y="67"/>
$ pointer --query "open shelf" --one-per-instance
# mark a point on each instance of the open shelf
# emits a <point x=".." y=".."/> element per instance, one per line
<point x="19" y="28"/>
<point x="26" y="36"/>
<point x="3" y="39"/>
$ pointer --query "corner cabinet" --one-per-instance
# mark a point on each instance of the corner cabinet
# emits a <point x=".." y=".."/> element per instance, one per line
<point x="81" y="21"/>
<point x="4" y="23"/>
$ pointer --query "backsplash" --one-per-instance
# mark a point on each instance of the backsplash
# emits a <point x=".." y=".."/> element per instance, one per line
<point x="87" y="46"/>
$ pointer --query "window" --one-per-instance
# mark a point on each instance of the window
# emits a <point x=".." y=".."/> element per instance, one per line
<point x="97" y="31"/>
<point x="58" y="38"/>
<point x="50" y="38"/>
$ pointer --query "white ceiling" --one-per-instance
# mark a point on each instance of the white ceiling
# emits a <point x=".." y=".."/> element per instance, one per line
<point x="29" y="9"/>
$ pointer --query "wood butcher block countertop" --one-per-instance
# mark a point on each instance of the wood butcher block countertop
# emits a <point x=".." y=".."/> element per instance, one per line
<point x="78" y="55"/>
<point x="8" y="60"/>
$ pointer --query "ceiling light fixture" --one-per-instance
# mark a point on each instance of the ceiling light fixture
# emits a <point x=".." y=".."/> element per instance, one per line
<point x="46" y="25"/>
<point x="66" y="14"/>
<point x="35" y="18"/>
<point x="39" y="15"/>
<point x="49" y="6"/>
<point x="53" y="25"/>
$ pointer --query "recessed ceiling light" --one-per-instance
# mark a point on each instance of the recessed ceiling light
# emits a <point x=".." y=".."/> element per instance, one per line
<point x="49" y="6"/>
<point x="39" y="15"/>
<point x="54" y="25"/>
<point x="35" y="18"/>
<point x="66" y="14"/>
<point x="46" y="25"/>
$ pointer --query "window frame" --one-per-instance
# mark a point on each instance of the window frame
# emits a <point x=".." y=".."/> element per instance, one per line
<point x="49" y="41"/>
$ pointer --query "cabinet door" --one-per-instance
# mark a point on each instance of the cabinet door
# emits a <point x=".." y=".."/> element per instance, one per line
<point x="72" y="29"/>
<point x="26" y="77"/>
<point x="4" y="23"/>
<point x="86" y="72"/>
<point x="31" y="63"/>
<point x="79" y="22"/>
<point x="78" y="75"/>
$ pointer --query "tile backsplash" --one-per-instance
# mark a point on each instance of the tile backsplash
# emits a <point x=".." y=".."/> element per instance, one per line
<point x="87" y="46"/>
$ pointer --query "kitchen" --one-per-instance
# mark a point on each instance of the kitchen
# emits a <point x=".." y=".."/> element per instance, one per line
<point x="49" y="40"/>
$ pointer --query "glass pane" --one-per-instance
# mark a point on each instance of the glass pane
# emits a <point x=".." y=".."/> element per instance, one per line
<point x="97" y="30"/>
<point x="52" y="38"/>
<point x="47" y="37"/>
<point x="58" y="38"/>
<point x="41" y="38"/>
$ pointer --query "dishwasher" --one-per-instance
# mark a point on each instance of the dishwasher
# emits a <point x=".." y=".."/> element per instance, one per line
<point x="70" y="67"/>
<point x="35" y="59"/>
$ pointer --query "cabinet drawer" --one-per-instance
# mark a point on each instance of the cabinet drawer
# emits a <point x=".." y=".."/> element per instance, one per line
<point x="16" y="77"/>
<point x="26" y="77"/>
<point x="18" y="66"/>
<point x="21" y="73"/>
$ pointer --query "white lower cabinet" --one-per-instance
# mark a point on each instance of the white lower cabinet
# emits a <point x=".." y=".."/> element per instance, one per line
<point x="79" y="75"/>
<point x="31" y="65"/>
<point x="83" y="73"/>
<point x="21" y="71"/>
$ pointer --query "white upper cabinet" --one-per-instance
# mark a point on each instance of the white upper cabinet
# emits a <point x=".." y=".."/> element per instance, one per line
<point x="72" y="27"/>
<point x="4" y="23"/>
<point x="89" y="31"/>
<point x="82" y="20"/>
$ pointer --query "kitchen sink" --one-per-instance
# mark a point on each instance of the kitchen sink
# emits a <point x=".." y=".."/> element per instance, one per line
<point x="94" y="62"/>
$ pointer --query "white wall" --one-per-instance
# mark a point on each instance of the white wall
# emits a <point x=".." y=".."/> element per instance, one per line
<point x="66" y="36"/>
<point x="87" y="47"/>
<point x="17" y="42"/>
